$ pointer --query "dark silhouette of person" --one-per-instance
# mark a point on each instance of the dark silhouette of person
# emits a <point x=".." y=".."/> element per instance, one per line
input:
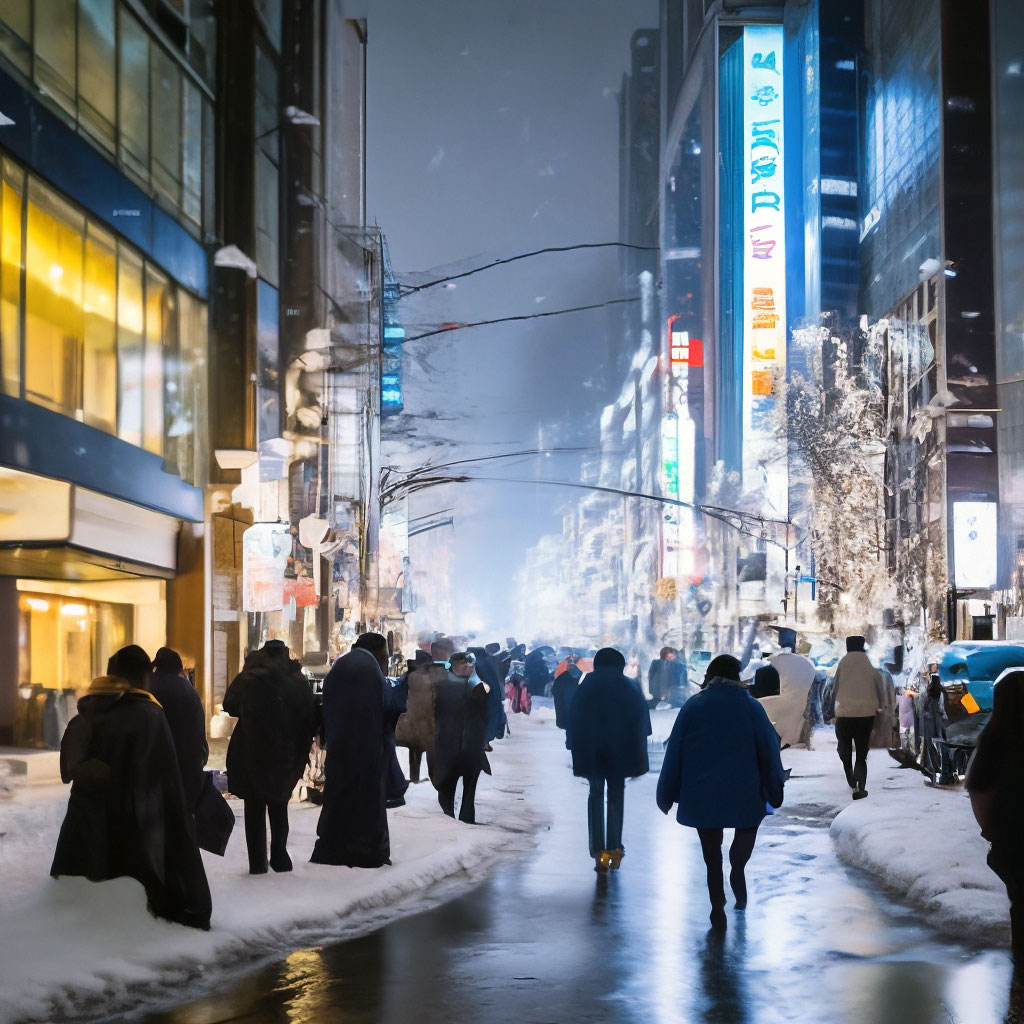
<point x="185" y="717"/>
<point x="609" y="723"/>
<point x="269" y="748"/>
<point x="126" y="813"/>
<point x="353" y="826"/>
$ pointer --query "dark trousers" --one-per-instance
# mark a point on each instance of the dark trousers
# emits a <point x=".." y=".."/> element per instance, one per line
<point x="739" y="853"/>
<point x="600" y="839"/>
<point x="446" y="795"/>
<point x="851" y="732"/>
<point x="256" y="814"/>
<point x="415" y="760"/>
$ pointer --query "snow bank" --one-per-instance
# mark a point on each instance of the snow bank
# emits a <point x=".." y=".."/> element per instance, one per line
<point x="70" y="946"/>
<point x="921" y="842"/>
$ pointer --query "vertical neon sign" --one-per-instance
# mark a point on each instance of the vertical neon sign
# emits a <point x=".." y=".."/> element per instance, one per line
<point x="764" y="260"/>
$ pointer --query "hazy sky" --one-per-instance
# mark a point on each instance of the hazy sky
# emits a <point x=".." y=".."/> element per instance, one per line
<point x="493" y="129"/>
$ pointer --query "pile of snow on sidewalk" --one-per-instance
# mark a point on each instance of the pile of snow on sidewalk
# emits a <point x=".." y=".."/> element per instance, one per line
<point x="70" y="946"/>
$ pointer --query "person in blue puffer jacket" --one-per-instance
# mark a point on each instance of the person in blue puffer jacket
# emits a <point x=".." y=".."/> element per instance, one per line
<point x="722" y="767"/>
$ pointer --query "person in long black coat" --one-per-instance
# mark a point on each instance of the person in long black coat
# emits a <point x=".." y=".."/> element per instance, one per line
<point x="563" y="690"/>
<point x="995" y="781"/>
<point x="488" y="669"/>
<point x="184" y="711"/>
<point x="461" y="724"/>
<point x="609" y="723"/>
<point x="126" y="814"/>
<point x="536" y="672"/>
<point x="269" y="748"/>
<point x="353" y="826"/>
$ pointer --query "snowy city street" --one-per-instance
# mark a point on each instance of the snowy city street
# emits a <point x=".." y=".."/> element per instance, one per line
<point x="511" y="511"/>
<point x="523" y="916"/>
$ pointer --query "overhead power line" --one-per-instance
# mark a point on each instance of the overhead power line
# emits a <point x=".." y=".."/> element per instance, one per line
<point x="444" y="328"/>
<point x="412" y="289"/>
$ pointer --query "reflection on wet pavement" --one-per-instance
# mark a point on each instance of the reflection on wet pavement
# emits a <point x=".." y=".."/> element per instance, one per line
<point x="545" y="939"/>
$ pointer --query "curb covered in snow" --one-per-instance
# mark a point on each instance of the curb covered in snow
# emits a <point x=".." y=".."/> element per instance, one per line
<point x="921" y="842"/>
<point x="72" y="947"/>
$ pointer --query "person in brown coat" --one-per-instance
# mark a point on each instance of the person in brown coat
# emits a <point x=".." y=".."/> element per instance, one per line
<point x="415" y="729"/>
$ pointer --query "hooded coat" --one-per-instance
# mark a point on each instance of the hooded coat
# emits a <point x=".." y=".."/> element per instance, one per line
<point x="536" y="673"/>
<point x="563" y="690"/>
<point x="353" y="826"/>
<point x="126" y="813"/>
<point x="269" y="748"/>
<point x="609" y="723"/>
<point x="184" y="711"/>
<point x="722" y="761"/>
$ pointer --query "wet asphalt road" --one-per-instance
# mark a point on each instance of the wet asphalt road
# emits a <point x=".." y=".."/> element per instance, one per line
<point x="547" y="940"/>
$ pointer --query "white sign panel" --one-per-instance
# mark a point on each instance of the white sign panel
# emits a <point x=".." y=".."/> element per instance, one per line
<point x="975" y="561"/>
<point x="764" y="261"/>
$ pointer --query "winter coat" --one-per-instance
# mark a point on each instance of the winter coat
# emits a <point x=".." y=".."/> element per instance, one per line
<point x="933" y="722"/>
<point x="269" y="748"/>
<point x="488" y="669"/>
<point x="995" y="781"/>
<point x="126" y="813"/>
<point x="415" y="729"/>
<point x="184" y="711"/>
<point x="562" y="691"/>
<point x="353" y="825"/>
<point x="461" y="721"/>
<point x="857" y="687"/>
<point x="906" y="711"/>
<point x="722" y="761"/>
<point x="885" y="716"/>
<point x="536" y="673"/>
<point x="609" y="723"/>
<point x="664" y="677"/>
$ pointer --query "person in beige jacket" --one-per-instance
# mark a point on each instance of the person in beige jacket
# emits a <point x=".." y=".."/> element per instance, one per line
<point x="859" y="693"/>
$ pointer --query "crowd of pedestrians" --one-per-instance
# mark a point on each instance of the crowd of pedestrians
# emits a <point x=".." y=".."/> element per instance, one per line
<point x="142" y="805"/>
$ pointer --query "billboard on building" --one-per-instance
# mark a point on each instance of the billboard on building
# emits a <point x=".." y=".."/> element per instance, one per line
<point x="975" y="544"/>
<point x="764" y="262"/>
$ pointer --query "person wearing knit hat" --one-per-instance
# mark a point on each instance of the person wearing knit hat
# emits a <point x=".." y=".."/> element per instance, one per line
<point x="859" y="693"/>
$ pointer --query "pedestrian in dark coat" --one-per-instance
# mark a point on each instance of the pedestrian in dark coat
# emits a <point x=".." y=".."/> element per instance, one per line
<point x="353" y="826"/>
<point x="184" y="711"/>
<point x="609" y="723"/>
<point x="933" y="727"/>
<point x="722" y="767"/>
<point x="995" y="781"/>
<point x="563" y="690"/>
<point x="665" y="676"/>
<point x="488" y="669"/>
<point x="536" y="672"/>
<point x="461" y="725"/>
<point x="269" y="748"/>
<point x="126" y="814"/>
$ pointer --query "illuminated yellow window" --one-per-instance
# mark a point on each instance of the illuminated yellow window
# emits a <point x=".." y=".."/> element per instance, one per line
<point x="53" y="301"/>
<point x="99" y="363"/>
<point x="10" y="278"/>
<point x="130" y="327"/>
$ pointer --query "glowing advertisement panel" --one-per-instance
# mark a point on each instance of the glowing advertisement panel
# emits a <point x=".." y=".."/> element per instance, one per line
<point x="975" y="544"/>
<point x="764" y="262"/>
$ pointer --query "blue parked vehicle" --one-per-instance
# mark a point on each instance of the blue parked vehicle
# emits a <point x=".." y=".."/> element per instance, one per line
<point x="968" y="670"/>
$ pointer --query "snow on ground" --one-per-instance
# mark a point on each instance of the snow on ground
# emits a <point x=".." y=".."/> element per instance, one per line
<point x="921" y="842"/>
<point x="70" y="946"/>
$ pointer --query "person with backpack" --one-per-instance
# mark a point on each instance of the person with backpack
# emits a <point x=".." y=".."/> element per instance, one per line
<point x="722" y="767"/>
<point x="269" y="748"/>
<point x="609" y="723"/>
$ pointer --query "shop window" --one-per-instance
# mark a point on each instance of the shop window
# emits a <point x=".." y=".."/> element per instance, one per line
<point x="158" y="307"/>
<point x="99" y="359"/>
<point x="15" y="32"/>
<point x="12" y="185"/>
<point x="54" y="48"/>
<point x="53" y="301"/>
<point x="165" y="91"/>
<point x="96" y="66"/>
<point x="130" y="324"/>
<point x="188" y="396"/>
<point x="133" y="93"/>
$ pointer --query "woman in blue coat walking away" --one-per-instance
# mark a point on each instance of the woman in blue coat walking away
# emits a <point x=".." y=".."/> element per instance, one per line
<point x="722" y="767"/>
